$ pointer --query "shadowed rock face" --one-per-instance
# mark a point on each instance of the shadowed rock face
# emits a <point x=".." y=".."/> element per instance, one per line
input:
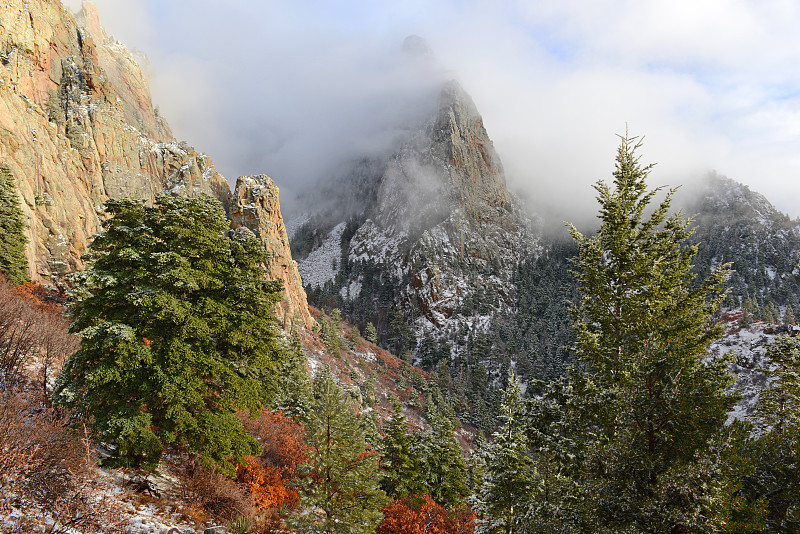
<point x="255" y="206"/>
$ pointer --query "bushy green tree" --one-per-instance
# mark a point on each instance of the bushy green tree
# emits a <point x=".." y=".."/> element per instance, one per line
<point x="370" y="333"/>
<point x="176" y="329"/>
<point x="776" y="453"/>
<point x="341" y="476"/>
<point x="13" y="263"/>
<point x="655" y="404"/>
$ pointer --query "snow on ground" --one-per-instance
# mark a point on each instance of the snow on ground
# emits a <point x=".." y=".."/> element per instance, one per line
<point x="748" y="345"/>
<point x="322" y="264"/>
<point x="122" y="508"/>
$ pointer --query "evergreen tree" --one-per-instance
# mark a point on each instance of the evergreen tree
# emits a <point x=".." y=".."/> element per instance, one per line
<point x="443" y="465"/>
<point x="341" y="476"/>
<point x="370" y="333"/>
<point x="776" y="453"/>
<point x="176" y="332"/>
<point x="643" y="327"/>
<point x="400" y="467"/>
<point x="13" y="263"/>
<point x="789" y="317"/>
<point x="507" y="481"/>
<point x="293" y="395"/>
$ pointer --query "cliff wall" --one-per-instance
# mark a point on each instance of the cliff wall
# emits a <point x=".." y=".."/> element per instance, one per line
<point x="78" y="126"/>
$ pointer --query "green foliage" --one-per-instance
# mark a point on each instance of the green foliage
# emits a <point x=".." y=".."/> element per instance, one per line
<point x="370" y="333"/>
<point x="13" y="263"/>
<point x="400" y="467"/>
<point x="293" y="395"/>
<point x="507" y="480"/>
<point x="789" y="317"/>
<point x="443" y="465"/>
<point x="776" y="453"/>
<point x="779" y="403"/>
<point x="341" y="476"/>
<point x="653" y="405"/>
<point x="329" y="331"/>
<point x="176" y="331"/>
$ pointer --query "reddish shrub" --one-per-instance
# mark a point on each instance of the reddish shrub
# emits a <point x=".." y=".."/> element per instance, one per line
<point x="283" y="449"/>
<point x="421" y="515"/>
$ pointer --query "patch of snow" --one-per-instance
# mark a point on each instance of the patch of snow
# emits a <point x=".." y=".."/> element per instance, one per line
<point x="322" y="264"/>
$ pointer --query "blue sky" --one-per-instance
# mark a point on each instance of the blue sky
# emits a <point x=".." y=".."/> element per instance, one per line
<point x="288" y="88"/>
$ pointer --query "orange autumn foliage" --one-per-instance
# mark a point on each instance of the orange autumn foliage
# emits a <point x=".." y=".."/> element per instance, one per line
<point x="269" y="476"/>
<point x="421" y="515"/>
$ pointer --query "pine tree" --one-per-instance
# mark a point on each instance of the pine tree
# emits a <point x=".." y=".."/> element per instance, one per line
<point x="776" y="452"/>
<point x="654" y="404"/>
<point x="176" y="330"/>
<point x="507" y="481"/>
<point x="293" y="395"/>
<point x="341" y="476"/>
<point x="443" y="465"/>
<point x="400" y="467"/>
<point x="13" y="263"/>
<point x="370" y="333"/>
<point x="789" y="317"/>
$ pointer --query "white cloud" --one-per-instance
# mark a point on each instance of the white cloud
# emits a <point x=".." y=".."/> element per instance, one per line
<point x="286" y="88"/>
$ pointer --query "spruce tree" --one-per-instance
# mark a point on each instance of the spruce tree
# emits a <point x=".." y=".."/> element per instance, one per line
<point x="653" y="403"/>
<point x="341" y="475"/>
<point x="176" y="331"/>
<point x="443" y="465"/>
<point x="370" y="333"/>
<point x="293" y="396"/>
<point x="789" y="317"/>
<point x="507" y="481"/>
<point x="13" y="263"/>
<point x="400" y="467"/>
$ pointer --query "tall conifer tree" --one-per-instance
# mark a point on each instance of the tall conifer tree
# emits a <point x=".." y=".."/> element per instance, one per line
<point x="507" y="480"/>
<point x="653" y="404"/>
<point x="341" y="476"/>
<point x="400" y="467"/>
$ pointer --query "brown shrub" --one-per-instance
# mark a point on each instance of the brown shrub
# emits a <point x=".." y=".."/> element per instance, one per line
<point x="42" y="461"/>
<point x="31" y="327"/>
<point x="39" y="455"/>
<point x="220" y="496"/>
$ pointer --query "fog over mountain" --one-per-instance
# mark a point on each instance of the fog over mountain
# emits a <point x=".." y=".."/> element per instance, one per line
<point x="294" y="88"/>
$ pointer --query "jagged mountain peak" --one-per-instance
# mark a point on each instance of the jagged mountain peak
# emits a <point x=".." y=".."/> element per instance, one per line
<point x="441" y="232"/>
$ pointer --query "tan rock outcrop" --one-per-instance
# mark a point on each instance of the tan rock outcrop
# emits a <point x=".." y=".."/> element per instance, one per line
<point x="255" y="206"/>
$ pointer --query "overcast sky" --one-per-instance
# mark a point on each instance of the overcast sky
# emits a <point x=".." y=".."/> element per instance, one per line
<point x="289" y="88"/>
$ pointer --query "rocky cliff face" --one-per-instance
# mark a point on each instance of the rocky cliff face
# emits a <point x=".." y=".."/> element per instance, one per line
<point x="255" y="206"/>
<point x="77" y="126"/>
<point x="439" y="235"/>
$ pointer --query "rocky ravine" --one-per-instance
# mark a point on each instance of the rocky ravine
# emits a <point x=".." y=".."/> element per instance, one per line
<point x="77" y="126"/>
